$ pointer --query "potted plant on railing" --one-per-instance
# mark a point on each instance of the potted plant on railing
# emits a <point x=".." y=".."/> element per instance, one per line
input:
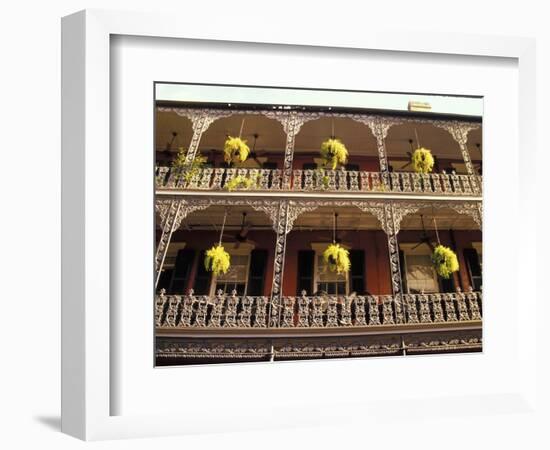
<point x="186" y="170"/>
<point x="217" y="260"/>
<point x="241" y="182"/>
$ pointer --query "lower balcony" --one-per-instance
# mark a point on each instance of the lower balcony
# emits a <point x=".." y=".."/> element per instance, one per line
<point x="181" y="315"/>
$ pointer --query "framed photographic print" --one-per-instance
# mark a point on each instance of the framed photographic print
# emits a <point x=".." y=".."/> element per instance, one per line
<point x="314" y="238"/>
<point x="344" y="224"/>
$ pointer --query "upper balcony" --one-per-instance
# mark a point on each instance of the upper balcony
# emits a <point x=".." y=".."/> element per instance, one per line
<point x="309" y="180"/>
<point x="285" y="153"/>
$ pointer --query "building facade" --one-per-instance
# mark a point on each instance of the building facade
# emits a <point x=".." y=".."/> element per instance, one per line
<point x="278" y="301"/>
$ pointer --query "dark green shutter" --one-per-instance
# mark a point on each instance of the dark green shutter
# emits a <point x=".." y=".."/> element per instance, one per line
<point x="306" y="259"/>
<point x="474" y="269"/>
<point x="202" y="279"/>
<point x="357" y="259"/>
<point x="182" y="270"/>
<point x="164" y="280"/>
<point x="447" y="284"/>
<point x="256" y="275"/>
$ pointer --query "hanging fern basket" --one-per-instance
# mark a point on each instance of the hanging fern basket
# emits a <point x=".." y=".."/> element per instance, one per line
<point x="422" y="160"/>
<point x="337" y="259"/>
<point x="217" y="260"/>
<point x="334" y="153"/>
<point x="445" y="261"/>
<point x="235" y="150"/>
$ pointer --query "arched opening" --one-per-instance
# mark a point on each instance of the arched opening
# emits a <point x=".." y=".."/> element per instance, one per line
<point x="172" y="132"/>
<point x="425" y="229"/>
<point x="359" y="232"/>
<point x="357" y="137"/>
<point x="475" y="149"/>
<point x="403" y="139"/>
<point x="249" y="239"/>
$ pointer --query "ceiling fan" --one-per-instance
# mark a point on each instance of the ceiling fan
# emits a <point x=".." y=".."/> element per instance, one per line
<point x="254" y="154"/>
<point x="241" y="235"/>
<point x="337" y="235"/>
<point x="169" y="144"/>
<point x="424" y="238"/>
<point x="410" y="155"/>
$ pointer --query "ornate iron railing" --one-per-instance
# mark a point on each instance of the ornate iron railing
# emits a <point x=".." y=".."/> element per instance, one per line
<point x="233" y="311"/>
<point x="317" y="180"/>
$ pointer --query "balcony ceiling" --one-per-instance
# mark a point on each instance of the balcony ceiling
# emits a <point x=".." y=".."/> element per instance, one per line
<point x="349" y="218"/>
<point x="271" y="138"/>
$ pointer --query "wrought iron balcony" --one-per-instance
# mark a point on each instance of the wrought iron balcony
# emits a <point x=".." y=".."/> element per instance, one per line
<point x="348" y="181"/>
<point x="325" y="312"/>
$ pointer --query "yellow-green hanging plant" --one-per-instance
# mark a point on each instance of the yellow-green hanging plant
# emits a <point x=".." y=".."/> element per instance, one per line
<point x="422" y="160"/>
<point x="189" y="169"/>
<point x="445" y="261"/>
<point x="217" y="260"/>
<point x="241" y="182"/>
<point x="337" y="259"/>
<point x="334" y="152"/>
<point x="235" y="150"/>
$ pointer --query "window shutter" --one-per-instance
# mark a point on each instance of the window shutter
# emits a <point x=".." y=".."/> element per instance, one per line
<point x="357" y="281"/>
<point x="306" y="260"/>
<point x="182" y="270"/>
<point x="447" y="284"/>
<point x="309" y="166"/>
<point x="474" y="269"/>
<point x="164" y="280"/>
<point x="256" y="274"/>
<point x="202" y="279"/>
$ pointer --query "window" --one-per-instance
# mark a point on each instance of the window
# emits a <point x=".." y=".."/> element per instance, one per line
<point x="176" y="269"/>
<point x="325" y="280"/>
<point x="474" y="261"/>
<point x="306" y="261"/>
<point x="236" y="277"/>
<point x="419" y="273"/>
<point x="256" y="275"/>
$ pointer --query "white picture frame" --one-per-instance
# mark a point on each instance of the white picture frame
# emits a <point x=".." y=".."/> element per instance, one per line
<point x="88" y="322"/>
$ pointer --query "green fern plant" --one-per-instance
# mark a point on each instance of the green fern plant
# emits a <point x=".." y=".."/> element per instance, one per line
<point x="445" y="261"/>
<point x="334" y="152"/>
<point x="189" y="169"/>
<point x="235" y="150"/>
<point x="217" y="260"/>
<point x="422" y="160"/>
<point x="337" y="259"/>
<point x="242" y="182"/>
